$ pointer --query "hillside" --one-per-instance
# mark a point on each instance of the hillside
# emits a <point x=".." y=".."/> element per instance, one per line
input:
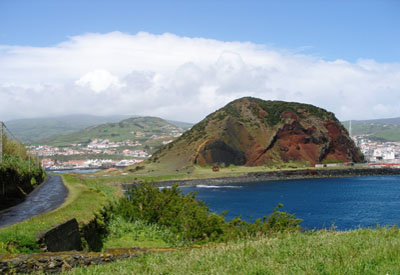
<point x="35" y="129"/>
<point x="382" y="129"/>
<point x="253" y="132"/>
<point x="137" y="129"/>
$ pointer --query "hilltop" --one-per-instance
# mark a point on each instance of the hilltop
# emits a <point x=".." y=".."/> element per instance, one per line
<point x="387" y="129"/>
<point x="138" y="129"/>
<point x="254" y="132"/>
<point x="34" y="129"/>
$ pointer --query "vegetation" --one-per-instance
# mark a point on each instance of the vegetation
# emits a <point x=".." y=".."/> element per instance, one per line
<point x="86" y="199"/>
<point x="380" y="129"/>
<point x="140" y="129"/>
<point x="245" y="132"/>
<point x="19" y="172"/>
<point x="191" y="220"/>
<point x="35" y="129"/>
<point x="362" y="251"/>
<point x="138" y="233"/>
<point x="274" y="110"/>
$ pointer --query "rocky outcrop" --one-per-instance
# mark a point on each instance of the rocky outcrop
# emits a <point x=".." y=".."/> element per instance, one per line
<point x="253" y="132"/>
<point x="63" y="237"/>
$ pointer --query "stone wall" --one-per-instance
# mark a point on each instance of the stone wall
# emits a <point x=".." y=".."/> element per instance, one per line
<point x="63" y="261"/>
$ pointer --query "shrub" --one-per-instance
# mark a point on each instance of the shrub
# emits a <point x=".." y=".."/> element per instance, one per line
<point x="191" y="218"/>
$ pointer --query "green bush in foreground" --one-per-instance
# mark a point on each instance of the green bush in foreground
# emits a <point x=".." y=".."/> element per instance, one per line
<point x="191" y="219"/>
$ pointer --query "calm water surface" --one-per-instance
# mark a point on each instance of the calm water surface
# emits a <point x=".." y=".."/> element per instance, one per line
<point x="346" y="203"/>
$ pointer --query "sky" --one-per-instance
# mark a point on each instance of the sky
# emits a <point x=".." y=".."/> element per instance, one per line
<point x="182" y="60"/>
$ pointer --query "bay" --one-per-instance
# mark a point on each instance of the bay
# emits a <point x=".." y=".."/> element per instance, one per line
<point x="342" y="203"/>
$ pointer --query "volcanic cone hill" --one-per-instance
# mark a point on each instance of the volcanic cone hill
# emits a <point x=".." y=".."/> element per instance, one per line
<point x="251" y="132"/>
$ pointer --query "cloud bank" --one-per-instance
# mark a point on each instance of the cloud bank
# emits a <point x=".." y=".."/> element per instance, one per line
<point x="183" y="78"/>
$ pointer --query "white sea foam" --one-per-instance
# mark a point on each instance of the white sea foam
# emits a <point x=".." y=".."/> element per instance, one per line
<point x="218" y="186"/>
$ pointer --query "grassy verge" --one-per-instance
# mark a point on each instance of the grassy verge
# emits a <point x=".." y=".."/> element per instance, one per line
<point x="86" y="196"/>
<point x="362" y="251"/>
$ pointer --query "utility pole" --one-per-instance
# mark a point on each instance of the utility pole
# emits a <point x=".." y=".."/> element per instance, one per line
<point x="1" y="142"/>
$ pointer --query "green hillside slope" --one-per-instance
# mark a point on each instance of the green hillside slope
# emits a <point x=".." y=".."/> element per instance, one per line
<point x="140" y="129"/>
<point x="383" y="129"/>
<point x="32" y="130"/>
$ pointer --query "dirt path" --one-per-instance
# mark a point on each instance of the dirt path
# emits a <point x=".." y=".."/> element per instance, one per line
<point x="48" y="196"/>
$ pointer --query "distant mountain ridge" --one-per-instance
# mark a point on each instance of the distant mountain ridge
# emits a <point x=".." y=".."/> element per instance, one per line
<point x="138" y="128"/>
<point x="39" y="129"/>
<point x="387" y="129"/>
<point x="251" y="132"/>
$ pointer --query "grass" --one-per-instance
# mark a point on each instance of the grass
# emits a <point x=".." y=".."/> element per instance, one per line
<point x="124" y="234"/>
<point x="362" y="251"/>
<point x="86" y="196"/>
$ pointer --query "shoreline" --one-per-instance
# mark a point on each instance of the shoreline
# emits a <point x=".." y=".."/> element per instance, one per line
<point x="285" y="175"/>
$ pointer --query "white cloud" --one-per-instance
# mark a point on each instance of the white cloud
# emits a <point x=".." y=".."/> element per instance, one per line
<point x="183" y="78"/>
<point x="99" y="80"/>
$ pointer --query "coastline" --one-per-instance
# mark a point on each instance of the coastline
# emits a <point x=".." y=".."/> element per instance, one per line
<point x="286" y="175"/>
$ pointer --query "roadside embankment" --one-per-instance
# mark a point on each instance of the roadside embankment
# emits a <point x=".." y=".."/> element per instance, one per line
<point x="286" y="175"/>
<point x="85" y="201"/>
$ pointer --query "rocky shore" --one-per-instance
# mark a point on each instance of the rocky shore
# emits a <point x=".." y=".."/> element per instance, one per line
<point x="288" y="175"/>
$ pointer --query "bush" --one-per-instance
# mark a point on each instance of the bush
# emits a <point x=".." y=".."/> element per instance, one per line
<point x="19" y="172"/>
<point x="183" y="214"/>
<point x="192" y="219"/>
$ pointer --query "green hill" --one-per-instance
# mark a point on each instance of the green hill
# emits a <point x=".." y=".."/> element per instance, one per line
<point x="139" y="129"/>
<point x="380" y="129"/>
<point x="254" y="132"/>
<point x="34" y="129"/>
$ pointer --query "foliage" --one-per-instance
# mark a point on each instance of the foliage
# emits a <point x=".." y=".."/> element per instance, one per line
<point x="192" y="219"/>
<point x="183" y="214"/>
<point x="274" y="110"/>
<point x="19" y="171"/>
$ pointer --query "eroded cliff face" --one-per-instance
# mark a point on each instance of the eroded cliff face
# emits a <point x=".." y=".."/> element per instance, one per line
<point x="253" y="132"/>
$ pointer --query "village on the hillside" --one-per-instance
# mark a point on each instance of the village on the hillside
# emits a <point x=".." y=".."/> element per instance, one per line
<point x="124" y="153"/>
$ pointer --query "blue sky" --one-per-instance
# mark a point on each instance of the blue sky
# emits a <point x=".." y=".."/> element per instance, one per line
<point x="330" y="29"/>
<point x="184" y="59"/>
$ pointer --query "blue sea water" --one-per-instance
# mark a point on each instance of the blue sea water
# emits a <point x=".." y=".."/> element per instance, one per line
<point x="346" y="203"/>
<point x="79" y="171"/>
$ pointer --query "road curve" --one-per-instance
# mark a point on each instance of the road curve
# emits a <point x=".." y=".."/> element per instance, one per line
<point x="46" y="197"/>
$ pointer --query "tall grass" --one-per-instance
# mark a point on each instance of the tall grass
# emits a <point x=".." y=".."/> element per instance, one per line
<point x="362" y="251"/>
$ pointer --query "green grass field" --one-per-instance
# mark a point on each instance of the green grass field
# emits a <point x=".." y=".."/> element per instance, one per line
<point x="362" y="251"/>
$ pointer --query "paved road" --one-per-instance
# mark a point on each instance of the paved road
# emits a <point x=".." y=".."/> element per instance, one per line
<point x="48" y="196"/>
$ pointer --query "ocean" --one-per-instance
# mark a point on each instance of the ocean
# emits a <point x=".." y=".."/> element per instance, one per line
<point x="341" y="203"/>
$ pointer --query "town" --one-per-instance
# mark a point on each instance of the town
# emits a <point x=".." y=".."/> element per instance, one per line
<point x="378" y="153"/>
<point x="98" y="154"/>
